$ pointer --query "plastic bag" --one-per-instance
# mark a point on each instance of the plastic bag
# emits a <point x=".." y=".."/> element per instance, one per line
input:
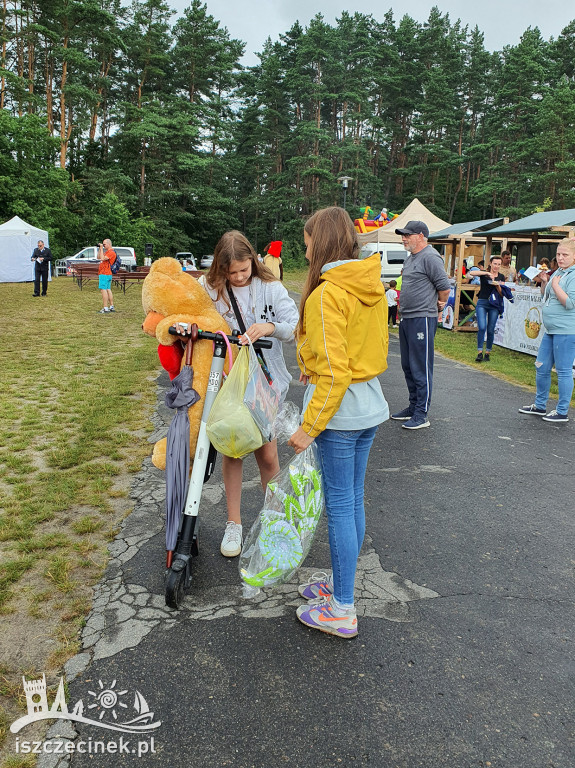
<point x="286" y="421"/>
<point x="281" y="536"/>
<point x="230" y="426"/>
<point x="261" y="398"/>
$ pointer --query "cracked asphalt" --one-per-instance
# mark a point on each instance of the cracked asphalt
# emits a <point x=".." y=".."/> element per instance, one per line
<point x="465" y="597"/>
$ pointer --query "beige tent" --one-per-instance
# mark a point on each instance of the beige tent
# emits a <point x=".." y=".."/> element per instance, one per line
<point x="415" y="211"/>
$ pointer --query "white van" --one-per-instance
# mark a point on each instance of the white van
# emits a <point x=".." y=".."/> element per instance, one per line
<point x="90" y="254"/>
<point x="392" y="257"/>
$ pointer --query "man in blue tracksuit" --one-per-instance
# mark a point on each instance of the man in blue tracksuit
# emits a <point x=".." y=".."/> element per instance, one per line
<point x="424" y="293"/>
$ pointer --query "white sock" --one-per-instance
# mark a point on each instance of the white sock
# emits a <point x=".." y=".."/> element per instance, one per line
<point x="341" y="609"/>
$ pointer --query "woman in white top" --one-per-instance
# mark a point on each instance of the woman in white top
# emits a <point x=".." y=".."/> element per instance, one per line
<point x="267" y="310"/>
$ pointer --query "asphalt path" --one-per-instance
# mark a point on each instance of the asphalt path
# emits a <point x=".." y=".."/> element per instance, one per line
<point x="473" y="521"/>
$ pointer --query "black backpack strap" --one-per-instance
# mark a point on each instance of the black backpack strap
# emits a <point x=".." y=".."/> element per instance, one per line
<point x="242" y="327"/>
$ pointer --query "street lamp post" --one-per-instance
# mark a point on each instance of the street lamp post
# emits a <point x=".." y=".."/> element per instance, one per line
<point x="344" y="183"/>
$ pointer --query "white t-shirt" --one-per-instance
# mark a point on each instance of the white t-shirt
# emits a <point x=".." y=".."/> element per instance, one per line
<point x="391" y="296"/>
<point x="244" y="297"/>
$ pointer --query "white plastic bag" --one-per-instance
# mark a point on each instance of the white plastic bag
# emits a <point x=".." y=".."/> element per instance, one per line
<point x="282" y="534"/>
<point x="261" y="398"/>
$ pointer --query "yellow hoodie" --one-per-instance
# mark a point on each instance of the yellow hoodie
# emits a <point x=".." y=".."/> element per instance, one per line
<point x="345" y="336"/>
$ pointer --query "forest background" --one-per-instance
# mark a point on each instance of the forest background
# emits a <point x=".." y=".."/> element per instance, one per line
<point x="130" y="123"/>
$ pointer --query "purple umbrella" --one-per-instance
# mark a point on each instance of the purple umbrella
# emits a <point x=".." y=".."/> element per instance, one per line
<point x="180" y="397"/>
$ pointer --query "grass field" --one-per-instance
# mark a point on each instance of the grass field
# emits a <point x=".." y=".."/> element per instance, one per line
<point x="76" y="393"/>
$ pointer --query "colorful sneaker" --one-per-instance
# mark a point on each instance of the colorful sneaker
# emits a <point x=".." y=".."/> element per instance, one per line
<point x="112" y="308"/>
<point x="104" y="311"/>
<point x="533" y="409"/>
<point x="231" y="545"/>
<point x="404" y="415"/>
<point x="317" y="586"/>
<point x="416" y="422"/>
<point x="321" y="616"/>
<point x="559" y="418"/>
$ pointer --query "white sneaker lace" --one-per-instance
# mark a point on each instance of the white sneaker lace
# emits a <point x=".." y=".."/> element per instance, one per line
<point x="319" y="576"/>
<point x="232" y="535"/>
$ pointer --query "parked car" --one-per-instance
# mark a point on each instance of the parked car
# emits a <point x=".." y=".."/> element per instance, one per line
<point x="392" y="257"/>
<point x="90" y="255"/>
<point x="206" y="261"/>
<point x="187" y="256"/>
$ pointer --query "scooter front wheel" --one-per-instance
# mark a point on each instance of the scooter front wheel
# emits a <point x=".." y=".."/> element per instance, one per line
<point x="175" y="584"/>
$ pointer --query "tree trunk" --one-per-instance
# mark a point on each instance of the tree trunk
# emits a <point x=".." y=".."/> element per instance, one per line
<point x="104" y="69"/>
<point x="3" y="55"/>
<point x="64" y="129"/>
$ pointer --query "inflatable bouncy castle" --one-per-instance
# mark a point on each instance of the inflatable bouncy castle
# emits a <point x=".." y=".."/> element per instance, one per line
<point x="367" y="224"/>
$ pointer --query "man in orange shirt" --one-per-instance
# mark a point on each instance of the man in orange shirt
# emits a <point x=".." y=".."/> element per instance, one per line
<point x="106" y="257"/>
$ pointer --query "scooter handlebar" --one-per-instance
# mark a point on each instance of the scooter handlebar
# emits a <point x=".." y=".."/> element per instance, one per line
<point x="233" y="339"/>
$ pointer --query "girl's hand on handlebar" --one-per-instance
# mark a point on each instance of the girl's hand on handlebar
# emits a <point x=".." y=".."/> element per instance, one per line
<point x="300" y="440"/>
<point x="258" y="330"/>
<point x="182" y="329"/>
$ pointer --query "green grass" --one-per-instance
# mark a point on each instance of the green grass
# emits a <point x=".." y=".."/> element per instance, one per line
<point x="76" y="394"/>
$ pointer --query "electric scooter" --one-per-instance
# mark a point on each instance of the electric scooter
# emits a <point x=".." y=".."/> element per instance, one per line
<point x="178" y="563"/>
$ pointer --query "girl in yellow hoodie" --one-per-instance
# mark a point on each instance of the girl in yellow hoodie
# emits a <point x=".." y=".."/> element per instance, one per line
<point x="342" y="348"/>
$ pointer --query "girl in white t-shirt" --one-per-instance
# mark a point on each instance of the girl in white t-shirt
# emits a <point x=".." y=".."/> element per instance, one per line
<point x="267" y="310"/>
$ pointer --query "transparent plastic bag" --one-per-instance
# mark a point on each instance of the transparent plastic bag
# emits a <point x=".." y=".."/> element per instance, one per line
<point x="230" y="426"/>
<point x="286" y="421"/>
<point x="280" y="538"/>
<point x="261" y="398"/>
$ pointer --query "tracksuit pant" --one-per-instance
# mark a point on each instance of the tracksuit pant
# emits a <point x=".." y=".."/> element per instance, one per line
<point x="416" y="335"/>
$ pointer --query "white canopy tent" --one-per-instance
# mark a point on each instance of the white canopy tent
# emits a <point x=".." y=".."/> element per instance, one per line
<point x="415" y="211"/>
<point x="17" y="242"/>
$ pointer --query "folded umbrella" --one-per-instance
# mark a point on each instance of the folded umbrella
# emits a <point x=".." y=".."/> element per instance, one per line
<point x="180" y="397"/>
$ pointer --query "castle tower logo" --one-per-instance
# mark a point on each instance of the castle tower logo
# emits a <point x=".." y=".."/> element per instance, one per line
<point x="107" y="706"/>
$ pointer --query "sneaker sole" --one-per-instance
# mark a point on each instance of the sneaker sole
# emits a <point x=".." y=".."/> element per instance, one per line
<point x="532" y="413"/>
<point x="556" y="421"/>
<point x="418" y="426"/>
<point x="231" y="552"/>
<point x="347" y="636"/>
<point x="400" y="418"/>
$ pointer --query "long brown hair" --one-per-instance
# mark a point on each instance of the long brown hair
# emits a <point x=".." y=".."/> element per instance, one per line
<point x="234" y="246"/>
<point x="332" y="237"/>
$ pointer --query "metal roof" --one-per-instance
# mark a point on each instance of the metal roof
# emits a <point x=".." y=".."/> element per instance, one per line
<point x="537" y="222"/>
<point x="464" y="227"/>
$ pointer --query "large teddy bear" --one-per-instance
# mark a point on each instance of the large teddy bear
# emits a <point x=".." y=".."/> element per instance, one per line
<point x="169" y="295"/>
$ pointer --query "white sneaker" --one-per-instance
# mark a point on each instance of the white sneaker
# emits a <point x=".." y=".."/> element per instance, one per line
<point x="232" y="542"/>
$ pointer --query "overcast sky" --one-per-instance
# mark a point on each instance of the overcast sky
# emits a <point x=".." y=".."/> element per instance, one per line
<point x="502" y="21"/>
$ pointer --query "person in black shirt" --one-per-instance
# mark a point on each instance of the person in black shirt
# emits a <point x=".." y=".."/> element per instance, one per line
<point x="486" y="313"/>
<point x="41" y="257"/>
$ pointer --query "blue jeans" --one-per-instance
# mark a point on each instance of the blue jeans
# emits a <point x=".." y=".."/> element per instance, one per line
<point x="486" y="321"/>
<point x="343" y="457"/>
<point x="556" y="349"/>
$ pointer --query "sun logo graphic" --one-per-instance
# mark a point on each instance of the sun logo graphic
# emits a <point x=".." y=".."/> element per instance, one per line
<point x="107" y="700"/>
<point x="107" y="704"/>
